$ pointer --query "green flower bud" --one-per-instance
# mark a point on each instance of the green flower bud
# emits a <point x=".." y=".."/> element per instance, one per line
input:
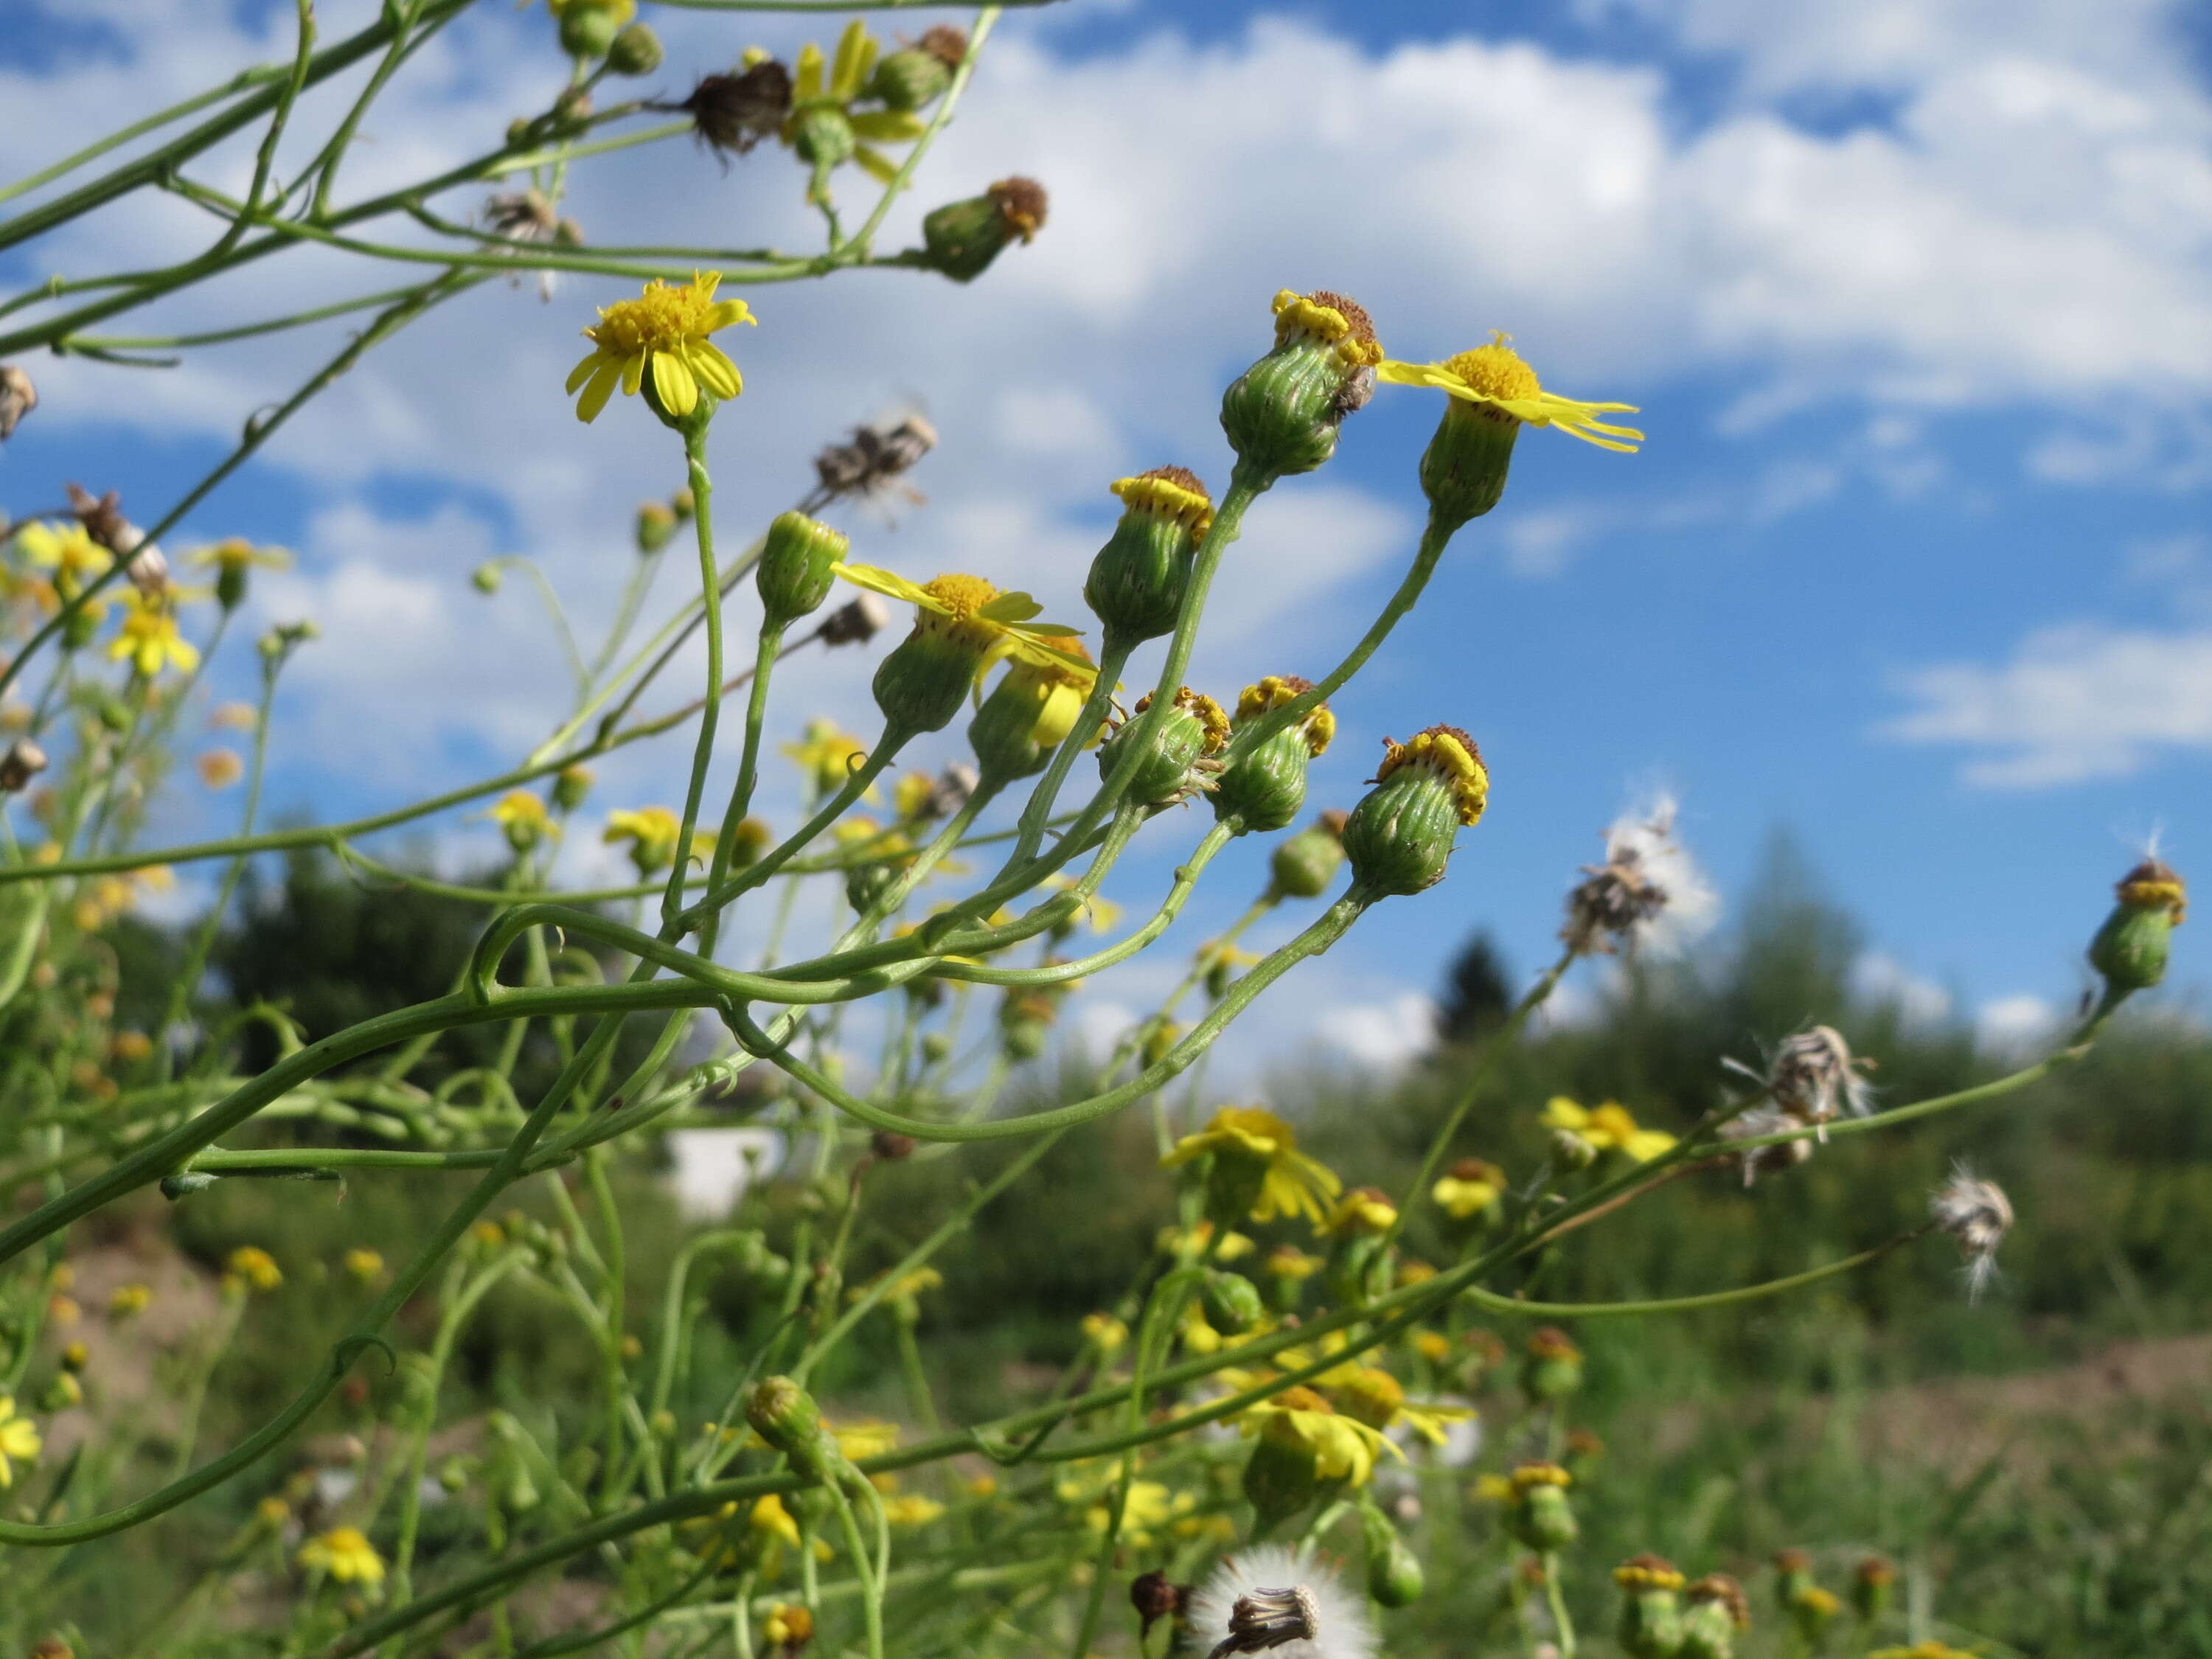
<point x="936" y="1047"/>
<point x="1399" y="837"/>
<point x="914" y="75"/>
<point x="571" y="785"/>
<point x="748" y="839"/>
<point x="114" y="714"/>
<point x="1793" y="1571"/>
<point x="961" y="239"/>
<point x="824" y="137"/>
<point x="1870" y="1588"/>
<point x="1394" y="1572"/>
<point x="1651" y="1611"/>
<point x="921" y="685"/>
<point x="798" y="567"/>
<point x="635" y="51"/>
<point x="784" y="1415"/>
<point x="1553" y="1368"/>
<point x="1232" y="1301"/>
<point x="453" y="1476"/>
<point x="1718" y="1610"/>
<point x="1303" y="865"/>
<point x="1543" y="1519"/>
<point x="488" y="577"/>
<point x="655" y="527"/>
<point x="62" y="1392"/>
<point x="1282" y="1476"/>
<point x="2130" y="949"/>
<point x="1812" y="1611"/>
<point x="81" y="628"/>
<point x="1180" y="758"/>
<point x="1137" y="581"/>
<point x="588" y="27"/>
<point x="1282" y="414"/>
<point x="866" y="883"/>
<point x="1263" y="787"/>
<point x="1027" y="715"/>
<point x="230" y="583"/>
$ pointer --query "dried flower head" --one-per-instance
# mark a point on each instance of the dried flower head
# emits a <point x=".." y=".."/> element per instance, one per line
<point x="871" y="463"/>
<point x="528" y="215"/>
<point x="18" y="398"/>
<point x="1649" y="893"/>
<point x="1271" y="1599"/>
<point x="856" y="621"/>
<point x="1978" y="1214"/>
<point x="731" y="113"/>
<point x="1759" y="1121"/>
<point x="1813" y="1078"/>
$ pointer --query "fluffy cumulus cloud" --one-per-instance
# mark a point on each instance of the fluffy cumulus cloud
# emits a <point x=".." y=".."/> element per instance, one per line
<point x="2073" y="703"/>
<point x="1380" y="1035"/>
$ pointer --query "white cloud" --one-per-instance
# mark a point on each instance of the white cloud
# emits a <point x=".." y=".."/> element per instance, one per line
<point x="1382" y="1036"/>
<point x="2074" y="703"/>
<point x="2014" y="1025"/>
<point x="1880" y="979"/>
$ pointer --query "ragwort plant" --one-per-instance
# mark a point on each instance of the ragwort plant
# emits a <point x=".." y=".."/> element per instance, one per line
<point x="1253" y="1443"/>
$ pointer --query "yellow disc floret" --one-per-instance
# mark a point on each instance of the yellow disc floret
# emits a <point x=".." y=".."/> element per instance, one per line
<point x="1540" y="1474"/>
<point x="1319" y="725"/>
<point x="1494" y="380"/>
<point x="1648" y="1573"/>
<point x="1331" y="319"/>
<point x="2153" y="885"/>
<point x="663" y="330"/>
<point x="1450" y="755"/>
<point x="1169" y="492"/>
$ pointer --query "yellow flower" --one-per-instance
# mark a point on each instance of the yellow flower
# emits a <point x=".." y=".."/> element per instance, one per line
<point x="911" y="794"/>
<point x="1104" y="1333"/>
<point x="972" y="612"/>
<point x="1226" y="954"/>
<point x="1343" y="1448"/>
<point x="1450" y="756"/>
<point x="1309" y="315"/>
<point x="127" y="1301"/>
<point x="651" y="832"/>
<point x="1289" y="1261"/>
<point x="983" y="1485"/>
<point x="788" y="1625"/>
<point x="1292" y="1184"/>
<point x="664" y="332"/>
<point x="908" y="1285"/>
<point x="518" y="809"/>
<point x="768" y="1515"/>
<point x="67" y="549"/>
<point x="1197" y="1335"/>
<point x="1377" y="1399"/>
<point x="847" y="78"/>
<point x="236" y="556"/>
<point x="1492" y="1489"/>
<point x="19" y="1441"/>
<point x="870" y="1439"/>
<point x="1149" y="1505"/>
<point x="1494" y="379"/>
<point x="220" y="768"/>
<point x="1174" y="1240"/>
<point x="149" y="638"/>
<point x="344" y="1554"/>
<point x="828" y="756"/>
<point x="255" y="1266"/>
<point x="128" y="1048"/>
<point x="1432" y="1346"/>
<point x="912" y="1510"/>
<point x="1610" y="1128"/>
<point x="1362" y="1210"/>
<point x="366" y="1265"/>
<point x="1468" y="1188"/>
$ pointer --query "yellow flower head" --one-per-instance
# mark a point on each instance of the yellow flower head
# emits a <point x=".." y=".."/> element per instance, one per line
<point x="219" y="768"/>
<point x="1292" y="1183"/>
<point x="1343" y="1448"/>
<point x="1364" y="1210"/>
<point x="770" y="1517"/>
<point x="19" y="1441"/>
<point x="1450" y="755"/>
<point x="788" y="1625"/>
<point x="128" y="1301"/>
<point x="1060" y="686"/>
<point x="1492" y="381"/>
<point x="847" y="80"/>
<point x="912" y="1510"/>
<point x="652" y="832"/>
<point x="235" y="557"/>
<point x="1319" y="726"/>
<point x="344" y="1554"/>
<point x="1377" y="1399"/>
<point x="827" y="755"/>
<point x="1530" y="1475"/>
<point x="1468" y="1187"/>
<point x="1332" y="319"/>
<point x="1104" y="1333"/>
<point x="255" y="1266"/>
<point x="519" y="809"/>
<point x="662" y="332"/>
<point x="1169" y="492"/>
<point x="67" y="549"/>
<point x="1610" y="1128"/>
<point x="366" y="1265"/>
<point x="1432" y="1346"/>
<point x="1649" y="1572"/>
<point x="1174" y="1240"/>
<point x="868" y="1438"/>
<point x="971" y="612"/>
<point x="1289" y="1261"/>
<point x="149" y="638"/>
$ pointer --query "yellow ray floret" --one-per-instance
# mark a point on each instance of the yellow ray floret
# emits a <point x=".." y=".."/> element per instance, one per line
<point x="971" y="610"/>
<point x="663" y="333"/>
<point x="1450" y="755"/>
<point x="1493" y="377"/>
<point x="1294" y="1184"/>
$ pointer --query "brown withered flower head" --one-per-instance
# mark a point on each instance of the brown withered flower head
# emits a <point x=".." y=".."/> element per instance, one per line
<point x="872" y="462"/>
<point x="1155" y="1597"/>
<point x="731" y="113"/>
<point x="18" y="398"/>
<point x="855" y="623"/>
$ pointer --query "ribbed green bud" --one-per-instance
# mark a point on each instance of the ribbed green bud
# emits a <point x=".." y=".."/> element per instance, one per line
<point x="1463" y="469"/>
<point x="1025" y="1025"/>
<point x="81" y="628"/>
<point x="1026" y="718"/>
<point x="824" y="137"/>
<point x="1394" y="1572"/>
<point x="1717" y="1609"/>
<point x="1543" y="1519"/>
<point x="1399" y="837"/>
<point x="1263" y="787"/>
<point x="784" y="1415"/>
<point x="2130" y="950"/>
<point x="1282" y="414"/>
<point x="230" y="587"/>
<point x="1303" y="865"/>
<point x="1180" y="756"/>
<point x="1137" y="581"/>
<point x="571" y="784"/>
<point x="907" y="79"/>
<point x="655" y="527"/>
<point x="1650" y="1624"/>
<point x="961" y="239"/>
<point x="866" y="883"/>
<point x="1551" y="1370"/>
<point x="588" y="27"/>
<point x="1233" y="1303"/>
<point x="796" y="572"/>
<point x="1812" y="1611"/>
<point x="635" y="51"/>
<point x="920" y="685"/>
<point x="1793" y="1571"/>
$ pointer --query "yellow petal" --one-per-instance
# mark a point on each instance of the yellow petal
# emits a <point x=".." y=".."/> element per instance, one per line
<point x="633" y="374"/>
<point x="584" y="371"/>
<point x="604" y="380"/>
<point x="807" y="82"/>
<point x="876" y="165"/>
<point x="715" y="370"/>
<point x="728" y="312"/>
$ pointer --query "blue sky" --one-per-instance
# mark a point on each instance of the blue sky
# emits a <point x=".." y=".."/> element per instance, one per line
<point x="1912" y="296"/>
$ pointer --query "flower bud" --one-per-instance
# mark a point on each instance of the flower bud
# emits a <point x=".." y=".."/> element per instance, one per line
<point x="1543" y="1519"/>
<point x="571" y="784"/>
<point x="1651" y="1611"/>
<point x="1553" y="1369"/>
<point x="1263" y="786"/>
<point x="747" y="840"/>
<point x="1282" y="414"/>
<point x="1399" y="837"/>
<point x="1303" y="865"/>
<point x="588" y="27"/>
<point x="1025" y="1025"/>
<point x="1718" y="1609"/>
<point x="2130" y="949"/>
<point x="1028" y="714"/>
<point x="1181" y="757"/>
<point x="920" y="685"/>
<point x="796" y="570"/>
<point x="1812" y="1610"/>
<point x="1232" y="1301"/>
<point x="488" y="577"/>
<point x="635" y="51"/>
<point x="1870" y="1588"/>
<point x="1395" y="1578"/>
<point x="914" y="75"/>
<point x="1136" y="582"/>
<point x="823" y="138"/>
<point x="1282" y="1476"/>
<point x="784" y="1415"/>
<point x="18" y="398"/>
<point x="20" y="762"/>
<point x="655" y="527"/>
<point x="961" y="239"/>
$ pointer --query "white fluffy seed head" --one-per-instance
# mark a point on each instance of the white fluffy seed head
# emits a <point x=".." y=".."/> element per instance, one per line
<point x="1649" y="894"/>
<point x="1336" y="1615"/>
<point x="1978" y="1214"/>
